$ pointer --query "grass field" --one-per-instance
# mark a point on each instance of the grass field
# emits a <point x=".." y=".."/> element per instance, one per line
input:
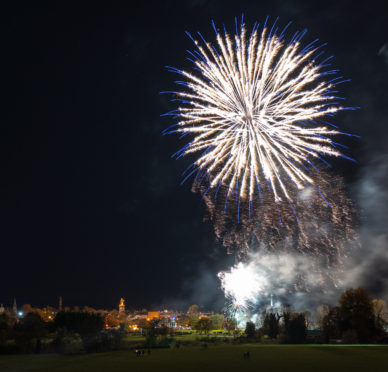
<point x="214" y="358"/>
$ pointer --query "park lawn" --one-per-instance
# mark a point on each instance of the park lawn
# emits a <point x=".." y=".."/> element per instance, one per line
<point x="215" y="358"/>
<point x="186" y="336"/>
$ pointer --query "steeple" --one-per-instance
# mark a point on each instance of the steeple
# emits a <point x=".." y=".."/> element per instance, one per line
<point x="14" y="307"/>
<point x="121" y="306"/>
<point x="60" y="304"/>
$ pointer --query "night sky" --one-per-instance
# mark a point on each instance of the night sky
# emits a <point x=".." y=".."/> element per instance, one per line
<point x="91" y="203"/>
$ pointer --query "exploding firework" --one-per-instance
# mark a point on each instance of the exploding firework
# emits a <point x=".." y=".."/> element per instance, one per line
<point x="321" y="222"/>
<point x="257" y="112"/>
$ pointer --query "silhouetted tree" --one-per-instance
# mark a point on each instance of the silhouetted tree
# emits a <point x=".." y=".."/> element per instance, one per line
<point x="80" y="322"/>
<point x="5" y="328"/>
<point x="356" y="314"/>
<point x="295" y="328"/>
<point x="330" y="325"/>
<point x="250" y="329"/>
<point x="153" y="325"/>
<point x="29" y="332"/>
<point x="271" y="325"/>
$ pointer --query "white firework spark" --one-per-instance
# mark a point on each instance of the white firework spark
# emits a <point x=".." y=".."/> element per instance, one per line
<point x="243" y="285"/>
<point x="255" y="112"/>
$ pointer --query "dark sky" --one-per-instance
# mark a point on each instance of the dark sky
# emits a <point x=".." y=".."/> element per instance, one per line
<point x="91" y="206"/>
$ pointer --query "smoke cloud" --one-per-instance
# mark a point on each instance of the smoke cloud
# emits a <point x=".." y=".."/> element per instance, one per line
<point x="367" y="266"/>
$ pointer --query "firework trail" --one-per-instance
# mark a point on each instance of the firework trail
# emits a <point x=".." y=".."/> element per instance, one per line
<point x="257" y="112"/>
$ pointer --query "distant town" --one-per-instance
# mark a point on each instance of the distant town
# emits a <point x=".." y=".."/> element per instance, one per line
<point x="132" y="321"/>
<point x="138" y="321"/>
<point x="24" y="329"/>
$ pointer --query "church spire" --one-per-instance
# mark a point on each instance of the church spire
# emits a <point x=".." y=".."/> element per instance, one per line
<point x="121" y="306"/>
<point x="14" y="307"/>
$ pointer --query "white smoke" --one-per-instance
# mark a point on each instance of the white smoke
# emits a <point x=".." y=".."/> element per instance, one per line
<point x="265" y="281"/>
<point x="250" y="285"/>
<point x="368" y="265"/>
<point x="384" y="52"/>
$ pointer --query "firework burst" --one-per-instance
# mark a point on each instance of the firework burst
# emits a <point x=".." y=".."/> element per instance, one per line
<point x="321" y="222"/>
<point x="257" y="112"/>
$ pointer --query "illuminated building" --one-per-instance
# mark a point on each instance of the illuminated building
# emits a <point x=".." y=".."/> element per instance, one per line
<point x="121" y="306"/>
<point x="153" y="315"/>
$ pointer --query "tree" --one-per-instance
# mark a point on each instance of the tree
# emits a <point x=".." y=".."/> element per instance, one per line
<point x="152" y="326"/>
<point x="230" y="324"/>
<point x="380" y="310"/>
<point x="89" y="309"/>
<point x="5" y="328"/>
<point x="31" y="329"/>
<point x="204" y="325"/>
<point x="142" y="324"/>
<point x="193" y="310"/>
<point x="193" y="321"/>
<point x="183" y="320"/>
<point x="357" y="314"/>
<point x="330" y="325"/>
<point x="111" y="321"/>
<point x="80" y="322"/>
<point x="271" y="325"/>
<point x="27" y="308"/>
<point x="217" y="320"/>
<point x="320" y="312"/>
<point x="250" y="329"/>
<point x="295" y="328"/>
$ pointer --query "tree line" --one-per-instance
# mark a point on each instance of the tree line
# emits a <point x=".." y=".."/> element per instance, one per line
<point x="357" y="319"/>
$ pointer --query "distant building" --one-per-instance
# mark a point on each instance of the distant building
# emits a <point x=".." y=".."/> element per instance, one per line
<point x="137" y="317"/>
<point x="2" y="309"/>
<point x="168" y="321"/>
<point x="14" y="307"/>
<point x="153" y="315"/>
<point x="121" y="306"/>
<point x="60" y="304"/>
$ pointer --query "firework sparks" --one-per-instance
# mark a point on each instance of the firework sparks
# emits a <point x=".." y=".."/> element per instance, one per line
<point x="321" y="223"/>
<point x="257" y="112"/>
<point x="266" y="281"/>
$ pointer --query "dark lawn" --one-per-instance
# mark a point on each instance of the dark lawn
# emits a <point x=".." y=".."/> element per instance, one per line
<point x="283" y="358"/>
